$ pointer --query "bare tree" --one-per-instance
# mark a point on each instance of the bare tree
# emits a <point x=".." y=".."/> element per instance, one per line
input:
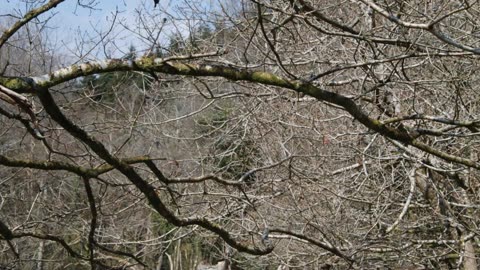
<point x="307" y="134"/>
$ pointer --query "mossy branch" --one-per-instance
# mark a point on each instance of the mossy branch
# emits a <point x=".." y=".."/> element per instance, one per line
<point x="64" y="166"/>
<point x="176" y="66"/>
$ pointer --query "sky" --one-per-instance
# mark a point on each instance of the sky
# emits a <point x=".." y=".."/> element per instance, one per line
<point x="74" y="30"/>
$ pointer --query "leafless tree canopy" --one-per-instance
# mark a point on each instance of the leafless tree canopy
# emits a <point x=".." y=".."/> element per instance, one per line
<point x="242" y="134"/>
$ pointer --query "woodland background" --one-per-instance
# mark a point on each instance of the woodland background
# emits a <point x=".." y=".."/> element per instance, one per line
<point x="249" y="134"/>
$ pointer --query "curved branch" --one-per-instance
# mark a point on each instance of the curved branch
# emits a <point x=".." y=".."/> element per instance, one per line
<point x="435" y="30"/>
<point x="315" y="242"/>
<point x="147" y="189"/>
<point x="321" y="17"/>
<point x="28" y="17"/>
<point x="39" y="85"/>
<point x="48" y="166"/>
<point x="53" y="238"/>
<point x="25" y="122"/>
<point x="432" y="27"/>
<point x="64" y="166"/>
<point x="394" y="18"/>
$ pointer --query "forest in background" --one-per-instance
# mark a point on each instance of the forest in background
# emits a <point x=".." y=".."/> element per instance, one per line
<point x="271" y="134"/>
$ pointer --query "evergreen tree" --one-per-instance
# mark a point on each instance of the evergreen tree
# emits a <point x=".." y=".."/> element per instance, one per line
<point x="101" y="87"/>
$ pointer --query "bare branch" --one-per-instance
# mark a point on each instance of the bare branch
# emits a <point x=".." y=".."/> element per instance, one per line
<point x="32" y="14"/>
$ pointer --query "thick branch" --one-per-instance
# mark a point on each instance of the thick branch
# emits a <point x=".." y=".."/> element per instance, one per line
<point x="148" y="190"/>
<point x="64" y="166"/>
<point x="93" y="222"/>
<point x="149" y="64"/>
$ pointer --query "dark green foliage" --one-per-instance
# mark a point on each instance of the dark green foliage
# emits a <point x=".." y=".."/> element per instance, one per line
<point x="159" y="225"/>
<point x="189" y="248"/>
<point x="102" y="87"/>
<point x="232" y="152"/>
<point x="193" y="44"/>
<point x="176" y="44"/>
